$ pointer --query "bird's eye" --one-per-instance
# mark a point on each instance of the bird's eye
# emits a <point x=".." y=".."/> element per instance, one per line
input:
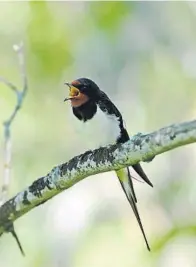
<point x="83" y="89"/>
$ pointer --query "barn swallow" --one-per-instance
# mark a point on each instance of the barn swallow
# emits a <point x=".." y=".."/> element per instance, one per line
<point x="88" y="102"/>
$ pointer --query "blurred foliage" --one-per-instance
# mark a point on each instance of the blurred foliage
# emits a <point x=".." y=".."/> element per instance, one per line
<point x="109" y="16"/>
<point x="43" y="43"/>
<point x="176" y="232"/>
<point x="143" y="55"/>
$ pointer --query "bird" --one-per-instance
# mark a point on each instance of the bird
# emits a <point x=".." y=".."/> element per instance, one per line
<point x="92" y="106"/>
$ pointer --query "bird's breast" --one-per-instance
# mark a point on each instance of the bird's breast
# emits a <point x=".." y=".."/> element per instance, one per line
<point x="103" y="129"/>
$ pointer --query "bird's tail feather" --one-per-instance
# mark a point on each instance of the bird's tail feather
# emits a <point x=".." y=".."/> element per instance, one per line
<point x="127" y="186"/>
<point x="137" y="167"/>
<point x="130" y="183"/>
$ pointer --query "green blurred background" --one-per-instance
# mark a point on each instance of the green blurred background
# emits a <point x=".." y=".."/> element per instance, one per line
<point x="143" y="54"/>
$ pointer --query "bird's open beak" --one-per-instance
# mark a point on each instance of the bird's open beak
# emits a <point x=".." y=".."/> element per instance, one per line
<point x="73" y="92"/>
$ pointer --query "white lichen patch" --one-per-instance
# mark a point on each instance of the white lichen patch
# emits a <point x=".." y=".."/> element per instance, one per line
<point x="19" y="199"/>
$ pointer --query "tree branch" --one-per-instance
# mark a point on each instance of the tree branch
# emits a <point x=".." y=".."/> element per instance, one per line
<point x="139" y="148"/>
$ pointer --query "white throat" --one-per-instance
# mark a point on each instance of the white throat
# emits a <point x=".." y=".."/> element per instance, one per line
<point x="103" y="129"/>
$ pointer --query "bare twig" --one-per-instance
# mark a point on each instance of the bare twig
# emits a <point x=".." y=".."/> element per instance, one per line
<point x="9" y="84"/>
<point x="20" y="94"/>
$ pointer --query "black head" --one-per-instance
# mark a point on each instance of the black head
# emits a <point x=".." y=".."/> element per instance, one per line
<point x="83" y="87"/>
<point x="84" y="95"/>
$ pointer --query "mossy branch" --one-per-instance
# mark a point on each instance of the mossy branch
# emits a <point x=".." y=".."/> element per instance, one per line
<point x="140" y="148"/>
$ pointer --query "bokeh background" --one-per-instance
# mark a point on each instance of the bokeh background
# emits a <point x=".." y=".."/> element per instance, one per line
<point x="143" y="54"/>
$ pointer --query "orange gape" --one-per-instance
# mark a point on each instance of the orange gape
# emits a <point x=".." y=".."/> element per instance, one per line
<point x="77" y="98"/>
<point x="74" y="91"/>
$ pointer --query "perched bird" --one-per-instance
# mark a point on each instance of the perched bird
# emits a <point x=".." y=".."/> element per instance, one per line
<point x="90" y="105"/>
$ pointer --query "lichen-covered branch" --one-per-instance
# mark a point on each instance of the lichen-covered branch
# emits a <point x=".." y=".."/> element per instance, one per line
<point x="140" y="148"/>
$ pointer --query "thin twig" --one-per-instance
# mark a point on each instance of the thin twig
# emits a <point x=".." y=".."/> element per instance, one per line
<point x="9" y="84"/>
<point x="20" y="94"/>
